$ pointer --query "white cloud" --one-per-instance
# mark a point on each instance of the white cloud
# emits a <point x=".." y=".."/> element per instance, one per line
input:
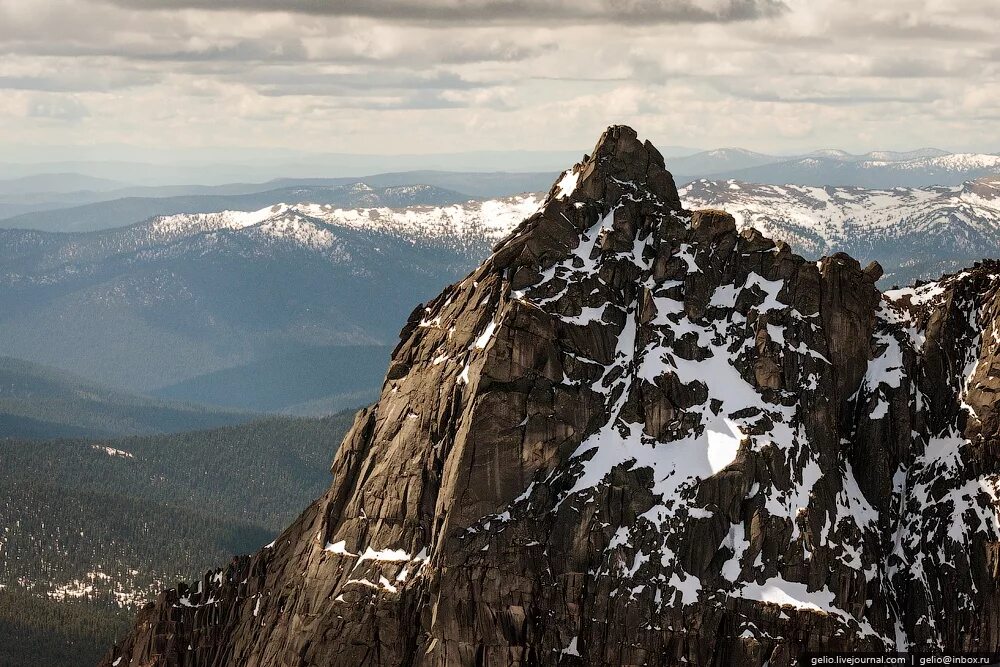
<point x="404" y="76"/>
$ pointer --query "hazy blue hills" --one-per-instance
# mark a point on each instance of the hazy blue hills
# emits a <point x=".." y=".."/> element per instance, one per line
<point x="879" y="169"/>
<point x="64" y="209"/>
<point x="148" y="306"/>
<point x="914" y="172"/>
<point x="124" y="211"/>
<point x="41" y="402"/>
<point x="317" y="380"/>
<point x="80" y="201"/>
<point x="57" y="183"/>
<point x="473" y="184"/>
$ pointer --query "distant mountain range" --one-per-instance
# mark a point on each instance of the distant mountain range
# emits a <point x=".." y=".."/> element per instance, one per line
<point x="155" y="306"/>
<point x="90" y="201"/>
<point x="127" y="210"/>
<point x="256" y="310"/>
<point x="194" y="306"/>
<point x="720" y="159"/>
<point x="234" y="164"/>
<point x="881" y="169"/>
<point x="57" y="183"/>
<point x="64" y="209"/>
<point x="913" y="232"/>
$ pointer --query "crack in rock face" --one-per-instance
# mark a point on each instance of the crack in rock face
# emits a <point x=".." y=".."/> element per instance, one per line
<point x="636" y="436"/>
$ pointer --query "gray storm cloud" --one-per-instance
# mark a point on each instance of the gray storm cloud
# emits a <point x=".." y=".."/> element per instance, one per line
<point x="517" y="11"/>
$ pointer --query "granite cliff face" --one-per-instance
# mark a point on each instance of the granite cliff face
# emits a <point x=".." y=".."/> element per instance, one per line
<point x="634" y="436"/>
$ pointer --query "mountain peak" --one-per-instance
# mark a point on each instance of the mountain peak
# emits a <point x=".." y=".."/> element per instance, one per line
<point x="623" y="177"/>
<point x="636" y="436"/>
<point x="619" y="156"/>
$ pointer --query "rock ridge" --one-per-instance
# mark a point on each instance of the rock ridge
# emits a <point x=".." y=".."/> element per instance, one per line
<point x="634" y="436"/>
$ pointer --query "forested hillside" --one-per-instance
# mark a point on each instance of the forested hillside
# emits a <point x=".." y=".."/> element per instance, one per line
<point x="99" y="526"/>
<point x="39" y="631"/>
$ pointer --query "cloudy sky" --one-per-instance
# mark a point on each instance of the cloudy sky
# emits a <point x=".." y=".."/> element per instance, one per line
<point x="411" y="76"/>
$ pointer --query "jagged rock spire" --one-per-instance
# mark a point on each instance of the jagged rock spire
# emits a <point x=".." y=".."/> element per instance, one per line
<point x="619" y="157"/>
<point x="635" y="436"/>
<point x="618" y="164"/>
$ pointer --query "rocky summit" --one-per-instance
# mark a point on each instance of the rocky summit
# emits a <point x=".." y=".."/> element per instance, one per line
<point x="636" y="436"/>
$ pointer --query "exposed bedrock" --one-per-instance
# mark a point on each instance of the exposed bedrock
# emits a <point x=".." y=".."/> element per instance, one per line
<point x="634" y="436"/>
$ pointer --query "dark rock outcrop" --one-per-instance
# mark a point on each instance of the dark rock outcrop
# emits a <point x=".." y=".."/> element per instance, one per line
<point x="634" y="436"/>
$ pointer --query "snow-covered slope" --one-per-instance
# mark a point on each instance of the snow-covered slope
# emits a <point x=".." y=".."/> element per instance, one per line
<point x="914" y="232"/>
<point x="128" y="209"/>
<point x="304" y="222"/>
<point x="952" y="162"/>
<point x="470" y="228"/>
<point x="163" y="301"/>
